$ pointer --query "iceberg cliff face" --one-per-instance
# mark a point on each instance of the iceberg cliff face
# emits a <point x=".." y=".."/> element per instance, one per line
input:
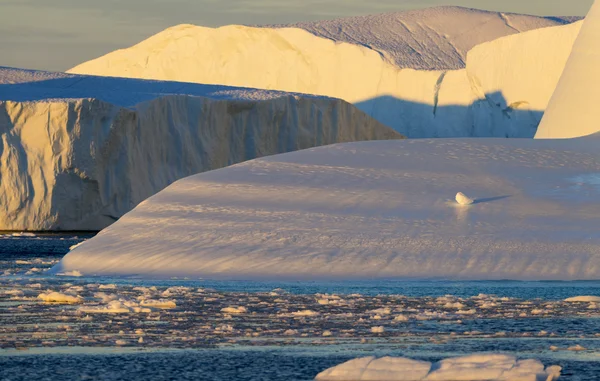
<point x="572" y="111"/>
<point x="502" y="92"/>
<point x="68" y="163"/>
<point x="370" y="210"/>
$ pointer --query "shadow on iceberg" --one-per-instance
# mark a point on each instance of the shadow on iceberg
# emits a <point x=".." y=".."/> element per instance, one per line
<point x="489" y="117"/>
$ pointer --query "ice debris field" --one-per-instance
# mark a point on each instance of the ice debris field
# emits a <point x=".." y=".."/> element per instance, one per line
<point x="45" y="313"/>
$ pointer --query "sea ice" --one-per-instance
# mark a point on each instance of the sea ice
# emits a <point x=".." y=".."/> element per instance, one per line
<point x="583" y="299"/>
<point x="57" y="297"/>
<point x="478" y="367"/>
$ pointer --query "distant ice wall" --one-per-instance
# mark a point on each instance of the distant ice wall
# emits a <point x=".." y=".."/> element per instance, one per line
<point x="81" y="164"/>
<point x="503" y="91"/>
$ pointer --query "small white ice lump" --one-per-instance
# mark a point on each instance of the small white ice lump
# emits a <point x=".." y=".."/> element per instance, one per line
<point x="462" y="199"/>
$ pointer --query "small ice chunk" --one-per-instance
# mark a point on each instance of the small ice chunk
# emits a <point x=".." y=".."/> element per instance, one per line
<point x="114" y="307"/>
<point x="304" y="313"/>
<point x="74" y="273"/>
<point x="57" y="297"/>
<point x="161" y="303"/>
<point x="462" y="199"/>
<point x="234" y="310"/>
<point x="583" y="299"/>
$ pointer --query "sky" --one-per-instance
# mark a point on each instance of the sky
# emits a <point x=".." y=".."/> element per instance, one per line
<point x="59" y="34"/>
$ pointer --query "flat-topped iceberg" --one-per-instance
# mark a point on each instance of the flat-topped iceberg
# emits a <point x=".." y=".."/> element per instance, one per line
<point x="500" y="88"/>
<point x="478" y="367"/>
<point x="370" y="209"/>
<point x="78" y="152"/>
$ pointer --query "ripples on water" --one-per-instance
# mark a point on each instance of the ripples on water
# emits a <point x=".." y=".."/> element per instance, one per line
<point x="195" y="329"/>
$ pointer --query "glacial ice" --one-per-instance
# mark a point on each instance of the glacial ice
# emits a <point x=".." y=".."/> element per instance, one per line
<point x="502" y="91"/>
<point x="450" y="32"/>
<point x="57" y="297"/>
<point x="477" y="367"/>
<point x="78" y="152"/>
<point x="572" y="110"/>
<point x="368" y="210"/>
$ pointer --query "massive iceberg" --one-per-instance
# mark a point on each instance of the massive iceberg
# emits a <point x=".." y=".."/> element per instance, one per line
<point x="436" y="38"/>
<point x="502" y="91"/>
<point x="387" y="209"/>
<point x="572" y="111"/>
<point x="370" y="210"/>
<point x="78" y="152"/>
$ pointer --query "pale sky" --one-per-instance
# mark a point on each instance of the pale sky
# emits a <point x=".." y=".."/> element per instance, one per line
<point x="59" y="34"/>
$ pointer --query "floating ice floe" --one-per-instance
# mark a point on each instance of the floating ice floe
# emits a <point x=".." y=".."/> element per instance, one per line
<point x="75" y="273"/>
<point x="234" y="310"/>
<point x="583" y="299"/>
<point x="161" y="303"/>
<point x="57" y="297"/>
<point x="488" y="367"/>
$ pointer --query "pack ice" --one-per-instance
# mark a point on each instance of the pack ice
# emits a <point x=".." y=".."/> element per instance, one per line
<point x="442" y="72"/>
<point x="78" y="152"/>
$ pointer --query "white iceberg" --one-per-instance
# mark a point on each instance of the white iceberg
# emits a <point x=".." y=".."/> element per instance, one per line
<point x="369" y="209"/>
<point x="478" y="367"/>
<point x="500" y="88"/>
<point x="78" y="152"/>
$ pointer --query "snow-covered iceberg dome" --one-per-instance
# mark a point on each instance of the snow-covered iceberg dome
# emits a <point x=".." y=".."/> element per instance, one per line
<point x="371" y="209"/>
<point x="572" y="109"/>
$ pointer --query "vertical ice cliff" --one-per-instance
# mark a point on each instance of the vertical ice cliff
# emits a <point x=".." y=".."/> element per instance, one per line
<point x="572" y="110"/>
<point x="68" y="163"/>
<point x="502" y="92"/>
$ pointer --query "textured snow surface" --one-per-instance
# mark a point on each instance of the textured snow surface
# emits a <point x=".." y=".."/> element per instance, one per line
<point x="477" y="367"/>
<point x="370" y="209"/>
<point x="77" y="152"/>
<point x="426" y="39"/>
<point x="23" y="85"/>
<point x="502" y="92"/>
<point x="572" y="112"/>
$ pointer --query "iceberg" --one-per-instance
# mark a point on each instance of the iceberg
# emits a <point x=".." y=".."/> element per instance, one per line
<point x="382" y="209"/>
<point x="500" y="90"/>
<point x="572" y="110"/>
<point x="477" y="367"/>
<point x="78" y="152"/>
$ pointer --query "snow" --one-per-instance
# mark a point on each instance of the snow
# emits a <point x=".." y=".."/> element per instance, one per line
<point x="477" y="367"/>
<point x="572" y="111"/>
<point x="78" y="152"/>
<point x="502" y="91"/>
<point x="57" y="297"/>
<point x="435" y="38"/>
<point x="369" y="210"/>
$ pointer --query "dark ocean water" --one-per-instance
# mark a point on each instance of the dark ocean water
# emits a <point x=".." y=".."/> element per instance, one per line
<point x="24" y="259"/>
